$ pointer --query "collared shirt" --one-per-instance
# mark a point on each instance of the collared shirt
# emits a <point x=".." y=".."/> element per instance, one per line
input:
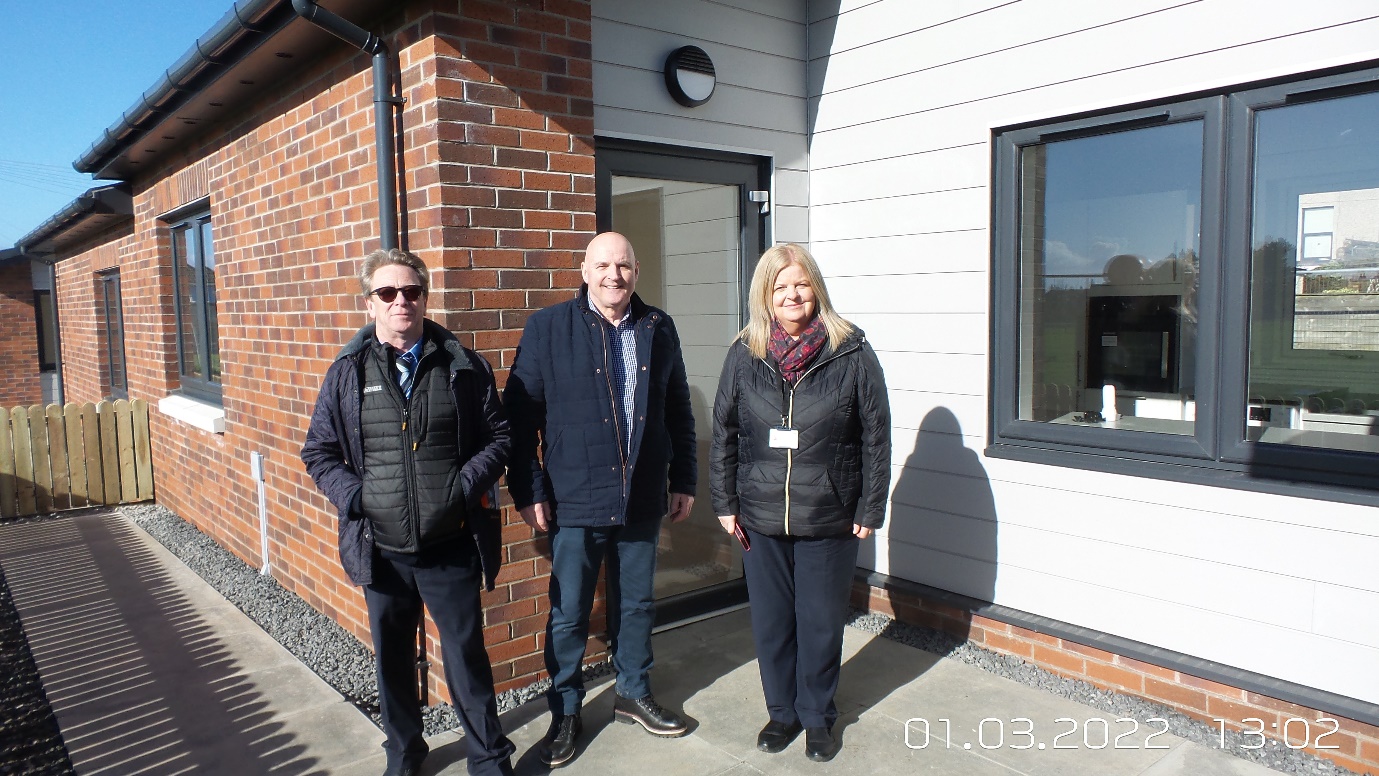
<point x="622" y="350"/>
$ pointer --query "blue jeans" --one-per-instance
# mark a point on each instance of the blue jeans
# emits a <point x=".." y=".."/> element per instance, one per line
<point x="576" y="554"/>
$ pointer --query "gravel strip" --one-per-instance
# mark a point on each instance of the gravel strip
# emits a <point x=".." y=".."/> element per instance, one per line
<point x="30" y="742"/>
<point x="1273" y="754"/>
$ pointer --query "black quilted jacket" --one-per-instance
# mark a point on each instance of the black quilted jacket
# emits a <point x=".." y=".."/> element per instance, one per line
<point x="840" y="473"/>
<point x="334" y="449"/>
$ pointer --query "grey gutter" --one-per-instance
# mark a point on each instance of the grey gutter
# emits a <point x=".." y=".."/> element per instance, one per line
<point x="244" y="27"/>
<point x="110" y="204"/>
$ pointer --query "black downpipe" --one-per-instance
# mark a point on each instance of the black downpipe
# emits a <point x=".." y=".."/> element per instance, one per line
<point x="385" y="152"/>
<point x="383" y="102"/>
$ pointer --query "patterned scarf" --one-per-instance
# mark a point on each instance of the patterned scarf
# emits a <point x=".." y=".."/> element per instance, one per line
<point x="795" y="356"/>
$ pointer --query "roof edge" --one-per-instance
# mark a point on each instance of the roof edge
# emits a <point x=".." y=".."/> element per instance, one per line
<point x="213" y="53"/>
<point x="114" y="200"/>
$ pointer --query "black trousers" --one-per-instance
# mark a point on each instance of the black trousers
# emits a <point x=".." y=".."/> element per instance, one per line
<point x="447" y="581"/>
<point x="799" y="589"/>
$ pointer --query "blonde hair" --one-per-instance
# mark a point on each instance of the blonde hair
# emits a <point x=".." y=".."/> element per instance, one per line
<point x="757" y="333"/>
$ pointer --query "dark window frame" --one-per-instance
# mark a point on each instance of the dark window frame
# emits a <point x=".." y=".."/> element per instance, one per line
<point x="110" y="279"/>
<point x="192" y="219"/>
<point x="1217" y="453"/>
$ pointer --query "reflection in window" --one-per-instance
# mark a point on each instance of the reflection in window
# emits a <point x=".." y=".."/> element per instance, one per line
<point x="198" y="335"/>
<point x="47" y="330"/>
<point x="113" y="317"/>
<point x="1314" y="312"/>
<point x="1109" y="232"/>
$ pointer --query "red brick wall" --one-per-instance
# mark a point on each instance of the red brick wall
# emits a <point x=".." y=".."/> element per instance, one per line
<point x="501" y="201"/>
<point x="498" y="151"/>
<point x="1357" y="742"/>
<point x="19" y="345"/>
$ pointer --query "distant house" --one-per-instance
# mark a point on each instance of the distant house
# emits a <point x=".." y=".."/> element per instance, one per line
<point x="29" y="354"/>
<point x="1070" y="230"/>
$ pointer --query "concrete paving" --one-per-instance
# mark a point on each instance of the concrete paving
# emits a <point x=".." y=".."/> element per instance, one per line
<point x="150" y="671"/>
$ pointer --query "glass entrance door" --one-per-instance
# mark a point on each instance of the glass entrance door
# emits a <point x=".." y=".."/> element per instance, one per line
<point x="696" y="236"/>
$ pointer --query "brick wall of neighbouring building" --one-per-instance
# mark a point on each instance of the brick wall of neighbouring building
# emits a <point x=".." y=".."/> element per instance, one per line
<point x="85" y="341"/>
<point x="498" y="150"/>
<point x="19" y="346"/>
<point x="1356" y="743"/>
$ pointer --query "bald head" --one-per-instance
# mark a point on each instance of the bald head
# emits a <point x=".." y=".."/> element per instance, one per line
<point x="610" y="269"/>
<point x="609" y="243"/>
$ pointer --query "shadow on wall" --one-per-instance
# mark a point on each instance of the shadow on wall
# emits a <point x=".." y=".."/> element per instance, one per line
<point x="823" y="25"/>
<point x="138" y="678"/>
<point x="941" y="533"/>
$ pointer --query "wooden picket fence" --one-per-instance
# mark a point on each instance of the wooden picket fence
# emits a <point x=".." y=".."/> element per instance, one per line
<point x="54" y="458"/>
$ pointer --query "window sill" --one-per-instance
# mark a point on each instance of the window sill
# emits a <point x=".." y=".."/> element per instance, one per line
<point x="199" y="414"/>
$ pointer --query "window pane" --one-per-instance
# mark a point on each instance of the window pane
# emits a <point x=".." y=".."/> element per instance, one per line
<point x="114" y="333"/>
<point x="1109" y="232"/>
<point x="1314" y="311"/>
<point x="47" y="331"/>
<point x="184" y="266"/>
<point x="208" y="294"/>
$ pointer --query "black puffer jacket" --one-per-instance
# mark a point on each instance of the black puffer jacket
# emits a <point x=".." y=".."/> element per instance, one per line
<point x="334" y="449"/>
<point x="839" y="474"/>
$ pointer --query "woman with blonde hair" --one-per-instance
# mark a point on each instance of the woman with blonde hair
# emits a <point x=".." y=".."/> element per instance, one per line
<point x="800" y="471"/>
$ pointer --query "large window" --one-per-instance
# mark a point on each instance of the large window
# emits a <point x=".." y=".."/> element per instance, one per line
<point x="198" y="337"/>
<point x="112" y="314"/>
<point x="1194" y="283"/>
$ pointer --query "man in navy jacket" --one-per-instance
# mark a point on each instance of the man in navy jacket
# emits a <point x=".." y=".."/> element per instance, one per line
<point x="599" y="385"/>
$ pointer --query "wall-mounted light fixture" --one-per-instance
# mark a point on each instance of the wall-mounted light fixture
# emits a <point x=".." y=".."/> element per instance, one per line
<point x="690" y="77"/>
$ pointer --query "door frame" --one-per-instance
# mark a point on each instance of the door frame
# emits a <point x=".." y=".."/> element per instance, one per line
<point x="669" y="162"/>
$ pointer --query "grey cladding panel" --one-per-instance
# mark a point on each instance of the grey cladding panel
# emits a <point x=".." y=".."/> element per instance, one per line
<point x="709" y="22"/>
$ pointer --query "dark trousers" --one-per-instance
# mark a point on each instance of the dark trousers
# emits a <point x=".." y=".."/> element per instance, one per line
<point x="448" y="583"/>
<point x="576" y="554"/>
<point x="799" y="590"/>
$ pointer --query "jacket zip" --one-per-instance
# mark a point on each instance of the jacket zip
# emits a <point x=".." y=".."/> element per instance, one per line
<point x="409" y="460"/>
<point x="790" y="421"/>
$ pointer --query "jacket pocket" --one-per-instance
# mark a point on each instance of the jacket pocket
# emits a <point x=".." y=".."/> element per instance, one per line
<point x="567" y="466"/>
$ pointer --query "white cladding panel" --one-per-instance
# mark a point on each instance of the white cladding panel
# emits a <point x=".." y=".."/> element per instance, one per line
<point x="903" y="100"/>
<point x="758" y="105"/>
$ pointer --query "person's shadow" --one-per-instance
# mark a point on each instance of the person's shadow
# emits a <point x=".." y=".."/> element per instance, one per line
<point x="940" y="540"/>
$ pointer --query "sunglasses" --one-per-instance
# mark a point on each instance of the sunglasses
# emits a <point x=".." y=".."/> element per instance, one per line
<point x="388" y="293"/>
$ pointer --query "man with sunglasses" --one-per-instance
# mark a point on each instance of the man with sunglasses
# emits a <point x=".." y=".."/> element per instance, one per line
<point x="600" y="381"/>
<point x="408" y="438"/>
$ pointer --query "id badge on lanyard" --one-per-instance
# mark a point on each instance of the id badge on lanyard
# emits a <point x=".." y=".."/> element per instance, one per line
<point x="783" y="437"/>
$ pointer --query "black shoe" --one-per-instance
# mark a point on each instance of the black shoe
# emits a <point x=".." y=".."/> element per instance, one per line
<point x="649" y="714"/>
<point x="405" y="769"/>
<point x="819" y="744"/>
<point x="558" y="747"/>
<point x="776" y="736"/>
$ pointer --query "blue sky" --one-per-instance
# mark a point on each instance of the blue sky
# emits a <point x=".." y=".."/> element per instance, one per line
<point x="68" y="70"/>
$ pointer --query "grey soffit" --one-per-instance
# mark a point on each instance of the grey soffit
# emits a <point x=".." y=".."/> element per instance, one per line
<point x="92" y="213"/>
<point x="255" y="45"/>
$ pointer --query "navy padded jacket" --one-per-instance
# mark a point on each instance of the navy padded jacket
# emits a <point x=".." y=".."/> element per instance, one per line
<point x="560" y="401"/>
